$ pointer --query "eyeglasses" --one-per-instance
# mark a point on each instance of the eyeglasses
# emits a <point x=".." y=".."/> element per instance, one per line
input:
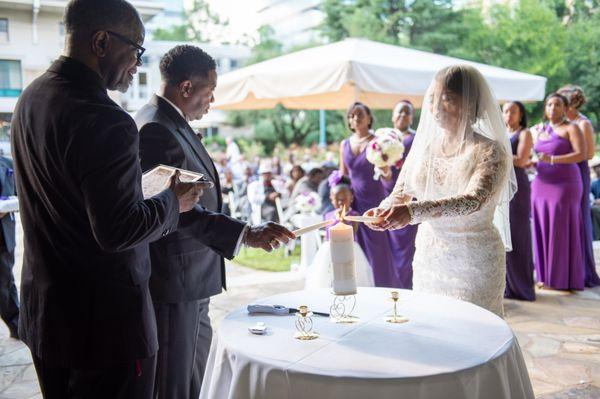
<point x="140" y="50"/>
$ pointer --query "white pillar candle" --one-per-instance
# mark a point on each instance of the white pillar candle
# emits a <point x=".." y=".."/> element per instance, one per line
<point x="341" y="240"/>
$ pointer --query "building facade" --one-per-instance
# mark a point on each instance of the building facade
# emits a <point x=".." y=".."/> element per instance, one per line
<point x="294" y="22"/>
<point x="32" y="36"/>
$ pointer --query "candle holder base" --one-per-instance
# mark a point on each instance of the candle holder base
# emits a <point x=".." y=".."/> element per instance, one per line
<point x="306" y="336"/>
<point x="342" y="308"/>
<point x="396" y="319"/>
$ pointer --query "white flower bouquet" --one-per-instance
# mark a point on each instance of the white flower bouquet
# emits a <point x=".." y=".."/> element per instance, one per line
<point x="307" y="202"/>
<point x="386" y="149"/>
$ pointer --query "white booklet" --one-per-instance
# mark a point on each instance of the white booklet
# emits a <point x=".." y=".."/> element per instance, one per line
<point x="10" y="204"/>
<point x="156" y="180"/>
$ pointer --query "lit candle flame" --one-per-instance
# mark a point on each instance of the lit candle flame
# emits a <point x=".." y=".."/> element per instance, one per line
<point x="339" y="215"/>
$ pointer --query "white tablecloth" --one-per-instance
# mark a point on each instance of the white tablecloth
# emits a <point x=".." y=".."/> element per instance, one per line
<point x="449" y="349"/>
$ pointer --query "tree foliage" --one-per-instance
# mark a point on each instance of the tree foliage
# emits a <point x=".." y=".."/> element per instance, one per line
<point x="557" y="39"/>
<point x="201" y="25"/>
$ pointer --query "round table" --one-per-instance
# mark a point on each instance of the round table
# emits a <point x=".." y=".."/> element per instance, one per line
<point x="448" y="349"/>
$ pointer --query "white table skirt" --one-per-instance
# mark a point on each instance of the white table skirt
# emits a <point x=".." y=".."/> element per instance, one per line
<point x="448" y="349"/>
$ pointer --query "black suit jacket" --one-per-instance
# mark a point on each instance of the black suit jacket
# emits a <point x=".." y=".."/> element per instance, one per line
<point x="188" y="264"/>
<point x="7" y="181"/>
<point x="85" y="300"/>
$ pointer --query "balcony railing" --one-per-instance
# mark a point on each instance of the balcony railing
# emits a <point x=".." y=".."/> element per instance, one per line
<point x="13" y="93"/>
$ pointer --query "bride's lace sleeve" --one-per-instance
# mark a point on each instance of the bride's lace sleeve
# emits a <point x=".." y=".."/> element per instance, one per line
<point x="489" y="172"/>
<point x="396" y="197"/>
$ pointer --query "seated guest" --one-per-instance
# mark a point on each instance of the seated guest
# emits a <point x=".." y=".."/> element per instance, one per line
<point x="324" y="188"/>
<point x="233" y="152"/>
<point x="309" y="183"/>
<point x="227" y="186"/>
<point x="296" y="173"/>
<point x="262" y="195"/>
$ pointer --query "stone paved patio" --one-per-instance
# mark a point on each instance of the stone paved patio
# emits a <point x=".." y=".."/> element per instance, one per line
<point x="559" y="335"/>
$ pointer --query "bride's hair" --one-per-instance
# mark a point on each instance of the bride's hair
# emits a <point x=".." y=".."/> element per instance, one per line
<point x="458" y="80"/>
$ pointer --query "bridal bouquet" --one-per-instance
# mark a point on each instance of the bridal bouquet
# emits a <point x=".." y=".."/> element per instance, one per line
<point x="386" y="149"/>
<point x="307" y="202"/>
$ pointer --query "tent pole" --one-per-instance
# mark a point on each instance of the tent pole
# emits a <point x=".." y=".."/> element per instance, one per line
<point x="322" y="130"/>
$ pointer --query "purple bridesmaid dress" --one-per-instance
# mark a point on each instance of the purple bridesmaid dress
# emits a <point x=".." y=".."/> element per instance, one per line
<point x="591" y="277"/>
<point x="519" y="262"/>
<point x="368" y="193"/>
<point x="557" y="219"/>
<point x="403" y="240"/>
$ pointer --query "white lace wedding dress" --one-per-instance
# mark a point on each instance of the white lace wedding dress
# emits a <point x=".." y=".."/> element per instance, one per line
<point x="459" y="252"/>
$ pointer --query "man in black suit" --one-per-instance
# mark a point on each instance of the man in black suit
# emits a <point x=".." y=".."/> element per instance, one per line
<point x="188" y="266"/>
<point x="9" y="300"/>
<point x="86" y="312"/>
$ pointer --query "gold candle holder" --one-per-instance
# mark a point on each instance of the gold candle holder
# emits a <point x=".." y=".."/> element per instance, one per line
<point x="395" y="318"/>
<point x="304" y="325"/>
<point x="342" y="308"/>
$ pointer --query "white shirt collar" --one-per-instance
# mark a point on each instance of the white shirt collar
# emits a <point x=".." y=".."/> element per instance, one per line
<point x="173" y="105"/>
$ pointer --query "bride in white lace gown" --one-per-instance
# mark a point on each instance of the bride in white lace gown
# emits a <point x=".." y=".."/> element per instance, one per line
<point x="457" y="182"/>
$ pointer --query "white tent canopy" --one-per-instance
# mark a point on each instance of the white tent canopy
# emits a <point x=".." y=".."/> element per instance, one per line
<point x="335" y="75"/>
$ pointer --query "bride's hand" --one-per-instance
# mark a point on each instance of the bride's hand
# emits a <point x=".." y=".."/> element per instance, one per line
<point x="395" y="218"/>
<point x="371" y="213"/>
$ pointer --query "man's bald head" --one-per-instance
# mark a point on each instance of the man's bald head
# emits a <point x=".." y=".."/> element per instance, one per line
<point x="85" y="17"/>
<point x="107" y="36"/>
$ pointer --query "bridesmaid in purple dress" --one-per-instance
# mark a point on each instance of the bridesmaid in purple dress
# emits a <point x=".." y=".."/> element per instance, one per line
<point x="556" y="200"/>
<point x="576" y="99"/>
<point x="403" y="240"/>
<point x="519" y="262"/>
<point x="368" y="193"/>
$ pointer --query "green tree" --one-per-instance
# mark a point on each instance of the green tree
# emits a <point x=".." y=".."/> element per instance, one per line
<point x="266" y="47"/>
<point x="528" y="38"/>
<point x="201" y="25"/>
<point x="425" y="24"/>
<point x="177" y="33"/>
<point x="582" y="54"/>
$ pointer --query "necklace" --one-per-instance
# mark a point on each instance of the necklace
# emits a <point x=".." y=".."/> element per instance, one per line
<point x="555" y="125"/>
<point x="359" y="140"/>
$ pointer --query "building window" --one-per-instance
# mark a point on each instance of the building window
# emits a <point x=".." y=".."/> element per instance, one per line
<point x="61" y="34"/>
<point x="143" y="85"/>
<point x="3" y="30"/>
<point x="10" y="78"/>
